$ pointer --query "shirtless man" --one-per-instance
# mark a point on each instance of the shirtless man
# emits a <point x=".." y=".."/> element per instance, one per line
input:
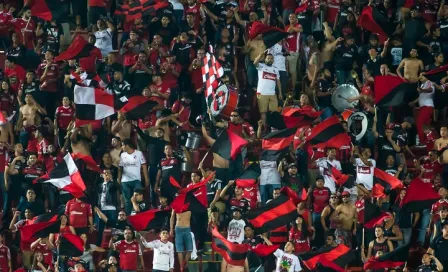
<point x="29" y="118"/>
<point x="121" y="127"/>
<point x="6" y="132"/>
<point x="329" y="211"/>
<point x="442" y="142"/>
<point x="80" y="138"/>
<point x="329" y="45"/>
<point x="220" y="164"/>
<point x="183" y="238"/>
<point x="226" y="267"/>
<point x="115" y="151"/>
<point x="346" y="215"/>
<point x="412" y="67"/>
<point x="253" y="48"/>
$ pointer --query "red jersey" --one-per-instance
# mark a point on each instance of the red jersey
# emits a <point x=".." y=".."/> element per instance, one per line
<point x="196" y="10"/>
<point x="430" y="138"/>
<point x="32" y="172"/>
<point x="332" y="10"/>
<point x="46" y="251"/>
<point x="16" y="76"/>
<point x="430" y="169"/>
<point x="28" y="27"/>
<point x="164" y="88"/>
<point x="435" y="209"/>
<point x="97" y="3"/>
<point x="42" y="147"/>
<point x="24" y="245"/>
<point x="78" y="213"/>
<point x="293" y="39"/>
<point x="301" y="244"/>
<point x="129" y="252"/>
<point x="5" y="258"/>
<point x="196" y="78"/>
<point x="50" y="82"/>
<point x="89" y="63"/>
<point x="320" y="199"/>
<point x="64" y="115"/>
<point x="252" y="195"/>
<point x="5" y="18"/>
<point x="238" y="129"/>
<point x="184" y="113"/>
<point x="169" y="78"/>
<point x="4" y="156"/>
<point x="7" y="102"/>
<point x="359" y="205"/>
<point x="147" y="122"/>
<point x="51" y="162"/>
<point x="154" y="56"/>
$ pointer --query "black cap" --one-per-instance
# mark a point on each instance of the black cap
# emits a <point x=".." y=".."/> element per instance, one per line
<point x="319" y="177"/>
<point x="138" y="191"/>
<point x="374" y="37"/>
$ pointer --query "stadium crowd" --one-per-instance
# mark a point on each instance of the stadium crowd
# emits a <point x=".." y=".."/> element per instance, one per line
<point x="326" y="67"/>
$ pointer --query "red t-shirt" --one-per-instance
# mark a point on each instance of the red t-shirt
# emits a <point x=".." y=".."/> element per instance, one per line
<point x="48" y="255"/>
<point x="301" y="244"/>
<point x="21" y="26"/>
<point x="169" y="78"/>
<point x="195" y="9"/>
<point x="50" y="161"/>
<point x="5" y="257"/>
<point x="321" y="197"/>
<point x="251" y="194"/>
<point x="7" y="102"/>
<point x="435" y="209"/>
<point x="164" y="88"/>
<point x="430" y="169"/>
<point x="50" y="83"/>
<point x="5" y="18"/>
<point x="147" y="122"/>
<point x="293" y="39"/>
<point x="16" y="76"/>
<point x="154" y="55"/>
<point x="129" y="253"/>
<point x="3" y="158"/>
<point x="64" y="115"/>
<point x="184" y="116"/>
<point x="78" y="213"/>
<point x="332" y="10"/>
<point x="97" y="3"/>
<point x="360" y="205"/>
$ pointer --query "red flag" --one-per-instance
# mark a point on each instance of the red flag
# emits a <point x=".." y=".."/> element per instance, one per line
<point x="249" y="177"/>
<point x="377" y="221"/>
<point x="89" y="161"/>
<point x="386" y="181"/>
<point x="373" y="20"/>
<point x="71" y="245"/>
<point x="270" y="35"/>
<point x="79" y="48"/>
<point x="311" y="259"/>
<point x="228" y="145"/>
<point x="234" y="254"/>
<point x="265" y="250"/>
<point x="329" y="133"/>
<point x="276" y="144"/>
<point x="419" y="196"/>
<point x="148" y="220"/>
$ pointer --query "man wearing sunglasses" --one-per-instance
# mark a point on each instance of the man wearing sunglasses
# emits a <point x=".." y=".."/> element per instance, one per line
<point x="346" y="215"/>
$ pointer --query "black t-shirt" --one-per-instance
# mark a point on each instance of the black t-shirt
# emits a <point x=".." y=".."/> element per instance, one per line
<point x="293" y="182"/>
<point x="324" y="86"/>
<point x="52" y="34"/>
<point x="427" y="268"/>
<point x="171" y="167"/>
<point x="252" y="258"/>
<point x="443" y="24"/>
<point x="414" y="30"/>
<point x="385" y="149"/>
<point x="142" y="206"/>
<point x="212" y="188"/>
<point x="140" y="79"/>
<point x="155" y="147"/>
<point x="19" y="166"/>
<point x="344" y="57"/>
<point x="374" y="65"/>
<point x="440" y="247"/>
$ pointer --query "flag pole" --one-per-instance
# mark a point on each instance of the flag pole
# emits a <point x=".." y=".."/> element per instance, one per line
<point x="363" y="229"/>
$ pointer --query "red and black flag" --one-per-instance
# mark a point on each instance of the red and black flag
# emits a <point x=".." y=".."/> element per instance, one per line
<point x="46" y="217"/>
<point x="249" y="177"/>
<point x="373" y="215"/>
<point x="308" y="116"/>
<point x="233" y="253"/>
<point x="192" y="198"/>
<point x="88" y="161"/>
<point x="40" y="230"/>
<point x="70" y="245"/>
<point x="138" y="107"/>
<point x="228" y="145"/>
<point x="263" y="250"/>
<point x="211" y="72"/>
<point x="79" y="48"/>
<point x="276" y="120"/>
<point x="392" y="259"/>
<point x="329" y="133"/>
<point x="436" y="73"/>
<point x="419" y="196"/>
<point x="134" y="11"/>
<point x="150" y="7"/>
<point x="340" y="179"/>
<point x="169" y="189"/>
<point x="332" y="257"/>
<point x="149" y="220"/>
<point x="88" y="80"/>
<point x="49" y="10"/>
<point x="278" y="212"/>
<point x="375" y="21"/>
<point x="276" y="144"/>
<point x="390" y="90"/>
<point x="385" y="182"/>
<point x="270" y="35"/>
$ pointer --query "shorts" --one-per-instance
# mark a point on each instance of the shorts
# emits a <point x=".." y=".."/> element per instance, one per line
<point x="183" y="240"/>
<point x="267" y="103"/>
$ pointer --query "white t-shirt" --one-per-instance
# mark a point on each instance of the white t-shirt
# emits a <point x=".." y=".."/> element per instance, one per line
<point x="267" y="79"/>
<point x="285" y="260"/>
<point x="269" y="173"/>
<point x="325" y="172"/>
<point x="426" y="99"/>
<point x="235" y="231"/>
<point x="105" y="207"/>
<point x="364" y="174"/>
<point x="131" y="164"/>
<point x="163" y="254"/>
<point x="177" y="5"/>
<point x="279" y="59"/>
<point x="104" y="41"/>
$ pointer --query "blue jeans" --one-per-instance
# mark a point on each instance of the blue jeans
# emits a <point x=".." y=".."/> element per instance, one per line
<point x="341" y="76"/>
<point x="327" y="112"/>
<point x="319" y="238"/>
<point x="183" y="239"/>
<point x="407" y="233"/>
<point x="111" y="218"/>
<point x="128" y="188"/>
<point x="252" y="73"/>
<point x="266" y="191"/>
<point x="23" y="138"/>
<point x="152" y="171"/>
<point x="424" y="223"/>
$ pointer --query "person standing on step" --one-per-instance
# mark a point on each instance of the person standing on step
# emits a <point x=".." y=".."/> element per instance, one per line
<point x="183" y="239"/>
<point x="163" y="260"/>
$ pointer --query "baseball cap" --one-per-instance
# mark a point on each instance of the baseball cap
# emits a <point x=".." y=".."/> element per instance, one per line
<point x="390" y="126"/>
<point x="292" y="165"/>
<point x="345" y="193"/>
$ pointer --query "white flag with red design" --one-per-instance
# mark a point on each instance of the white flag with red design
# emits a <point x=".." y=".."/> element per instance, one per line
<point x="211" y="71"/>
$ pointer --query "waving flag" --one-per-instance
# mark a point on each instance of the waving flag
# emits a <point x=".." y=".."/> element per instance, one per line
<point x="45" y="9"/>
<point x="419" y="196"/>
<point x="228" y="145"/>
<point x="276" y="144"/>
<point x="390" y="90"/>
<point x="270" y="35"/>
<point x="79" y="48"/>
<point x="336" y="258"/>
<point x="149" y="220"/>
<point x="89" y="161"/>
<point x="192" y="198"/>
<point x="65" y="176"/>
<point x="340" y="179"/>
<point x="211" y="72"/>
<point x="434" y="73"/>
<point x="88" y="80"/>
<point x="234" y="254"/>
<point x="249" y="177"/>
<point x="384" y="182"/>
<point x="329" y="133"/>
<point x="278" y="212"/>
<point x="373" y="215"/>
<point x="373" y="20"/>
<point x="138" y="107"/>
<point x="392" y="259"/>
<point x="278" y="121"/>
<point x="70" y="245"/>
<point x="40" y="230"/>
<point x="92" y="103"/>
